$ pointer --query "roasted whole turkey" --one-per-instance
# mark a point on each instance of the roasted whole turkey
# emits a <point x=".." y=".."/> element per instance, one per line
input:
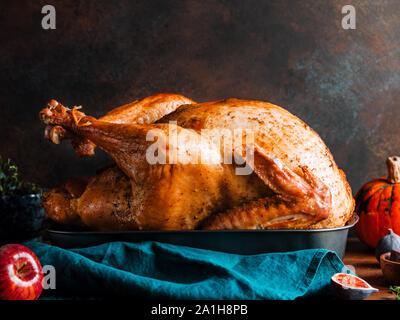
<point x="181" y="165"/>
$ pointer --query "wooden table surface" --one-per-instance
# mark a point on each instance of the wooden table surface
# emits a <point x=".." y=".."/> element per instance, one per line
<point x="367" y="267"/>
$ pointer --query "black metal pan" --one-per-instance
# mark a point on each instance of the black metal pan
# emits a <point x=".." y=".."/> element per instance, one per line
<point x="233" y="241"/>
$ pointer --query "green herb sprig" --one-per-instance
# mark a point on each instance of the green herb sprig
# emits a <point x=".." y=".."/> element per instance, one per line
<point x="395" y="290"/>
<point x="10" y="185"/>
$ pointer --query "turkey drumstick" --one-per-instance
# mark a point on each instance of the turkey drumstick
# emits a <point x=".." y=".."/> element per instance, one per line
<point x="144" y="111"/>
<point x="297" y="200"/>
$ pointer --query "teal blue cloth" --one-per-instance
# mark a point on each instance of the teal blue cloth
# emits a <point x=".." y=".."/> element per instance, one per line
<point x="166" y="271"/>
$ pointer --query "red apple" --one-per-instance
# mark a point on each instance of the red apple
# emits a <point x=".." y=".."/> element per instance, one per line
<point x="20" y="273"/>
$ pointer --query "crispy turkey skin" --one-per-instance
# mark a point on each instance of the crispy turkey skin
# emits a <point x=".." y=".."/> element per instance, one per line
<point x="294" y="181"/>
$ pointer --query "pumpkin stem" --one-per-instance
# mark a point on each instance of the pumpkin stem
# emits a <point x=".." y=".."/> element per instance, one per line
<point x="393" y="165"/>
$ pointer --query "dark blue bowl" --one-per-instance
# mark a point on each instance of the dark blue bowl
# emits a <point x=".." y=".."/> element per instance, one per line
<point x="21" y="217"/>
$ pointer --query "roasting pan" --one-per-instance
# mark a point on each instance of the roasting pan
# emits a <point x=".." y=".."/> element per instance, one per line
<point x="232" y="241"/>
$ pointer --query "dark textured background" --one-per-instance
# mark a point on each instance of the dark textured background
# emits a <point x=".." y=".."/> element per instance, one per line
<point x="343" y="83"/>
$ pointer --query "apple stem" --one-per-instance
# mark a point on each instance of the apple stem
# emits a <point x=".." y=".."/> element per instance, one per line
<point x="20" y="269"/>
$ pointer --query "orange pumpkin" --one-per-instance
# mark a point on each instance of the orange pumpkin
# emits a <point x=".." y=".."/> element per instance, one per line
<point x="378" y="206"/>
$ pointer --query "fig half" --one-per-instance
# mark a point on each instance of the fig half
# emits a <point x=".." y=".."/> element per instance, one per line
<point x="349" y="287"/>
